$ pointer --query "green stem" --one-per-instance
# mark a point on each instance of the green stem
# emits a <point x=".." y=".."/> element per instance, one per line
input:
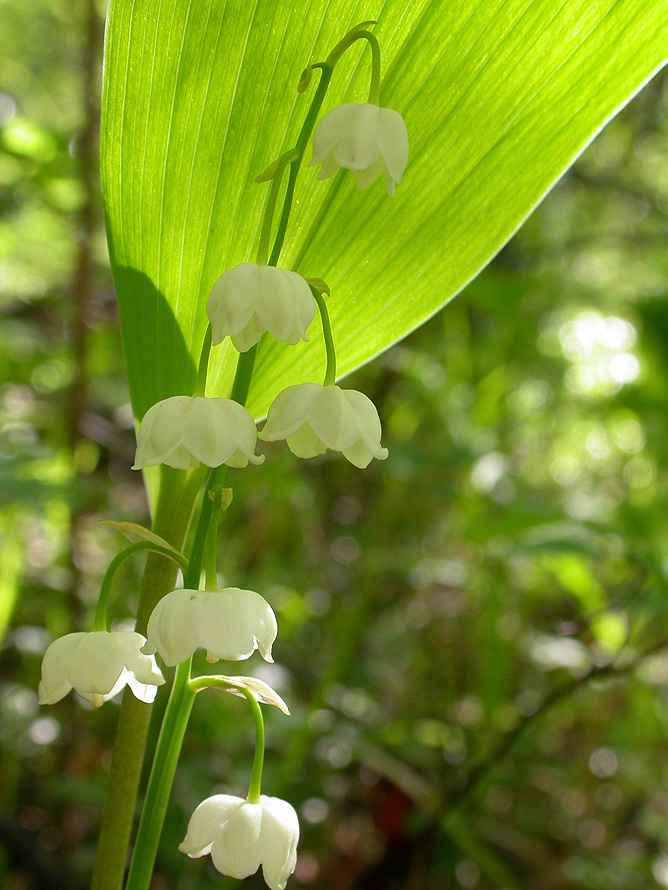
<point x="278" y="169"/>
<point x="374" y="87"/>
<point x="192" y="577"/>
<point x="242" y="377"/>
<point x="200" y="384"/>
<point x="216" y="496"/>
<point x="239" y="393"/>
<point x="255" y="786"/>
<point x="105" y="589"/>
<point x="302" y="141"/>
<point x="160" y="781"/>
<point x="330" y="370"/>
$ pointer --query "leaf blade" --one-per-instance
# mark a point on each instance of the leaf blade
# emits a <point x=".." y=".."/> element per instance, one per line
<point x="500" y="97"/>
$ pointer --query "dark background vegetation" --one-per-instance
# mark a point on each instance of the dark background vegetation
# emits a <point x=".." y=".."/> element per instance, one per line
<point x="472" y="634"/>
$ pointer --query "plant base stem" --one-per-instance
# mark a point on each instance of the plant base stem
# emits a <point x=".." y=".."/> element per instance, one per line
<point x="172" y="518"/>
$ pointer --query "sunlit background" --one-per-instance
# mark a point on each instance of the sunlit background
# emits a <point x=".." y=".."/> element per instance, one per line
<point x="471" y="634"/>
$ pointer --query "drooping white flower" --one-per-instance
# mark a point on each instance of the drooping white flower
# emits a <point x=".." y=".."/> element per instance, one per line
<point x="241" y="836"/>
<point x="230" y="624"/>
<point x="364" y="138"/>
<point x="184" y="431"/>
<point x="250" y="299"/>
<point x="98" y="665"/>
<point x="313" y="418"/>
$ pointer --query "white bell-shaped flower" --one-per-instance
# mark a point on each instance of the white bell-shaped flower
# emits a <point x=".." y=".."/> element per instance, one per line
<point x="98" y="665"/>
<point x="364" y="138"/>
<point x="241" y="836"/>
<point x="250" y="299"/>
<point x="230" y="624"/>
<point x="184" y="431"/>
<point x="313" y="418"/>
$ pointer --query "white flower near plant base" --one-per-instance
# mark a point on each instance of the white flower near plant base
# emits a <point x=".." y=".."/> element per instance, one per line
<point x="241" y="836"/>
<point x="364" y="138"/>
<point x="184" y="431"/>
<point x="250" y="299"/>
<point x="312" y="418"/>
<point x="230" y="624"/>
<point x="98" y="665"/>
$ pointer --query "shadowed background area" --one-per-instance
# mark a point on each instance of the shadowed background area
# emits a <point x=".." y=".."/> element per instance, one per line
<point x="471" y="633"/>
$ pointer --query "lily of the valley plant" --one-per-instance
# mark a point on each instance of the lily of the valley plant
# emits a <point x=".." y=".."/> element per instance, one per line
<point x="247" y="302"/>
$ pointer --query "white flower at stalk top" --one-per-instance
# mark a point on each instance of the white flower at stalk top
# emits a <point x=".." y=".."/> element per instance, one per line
<point x="250" y="299"/>
<point x="230" y="624"/>
<point x="241" y="836"/>
<point x="98" y="665"/>
<point x="364" y="138"/>
<point x="313" y="418"/>
<point x="184" y="431"/>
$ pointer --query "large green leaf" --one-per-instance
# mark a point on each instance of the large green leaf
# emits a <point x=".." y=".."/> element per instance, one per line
<point x="199" y="96"/>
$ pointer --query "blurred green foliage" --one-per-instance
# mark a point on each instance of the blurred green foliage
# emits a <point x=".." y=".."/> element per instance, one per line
<point x="462" y="628"/>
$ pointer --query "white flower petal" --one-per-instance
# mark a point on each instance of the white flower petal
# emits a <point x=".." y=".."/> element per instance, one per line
<point x="204" y="822"/>
<point x="184" y="431"/>
<point x="364" y="179"/>
<point x="97" y="699"/>
<point x="250" y="299"/>
<point x="249" y="335"/>
<point x="312" y="418"/>
<point x="228" y="306"/>
<point x="237" y="848"/>
<point x="358" y="148"/>
<point x="329" y="415"/>
<point x="222" y="628"/>
<point x="306" y="443"/>
<point x="55" y="683"/>
<point x="230" y="624"/>
<point x="241" y="836"/>
<point x="141" y="665"/>
<point x="97" y="666"/>
<point x="280" y="836"/>
<point x="145" y="692"/>
<point x="327" y="134"/>
<point x="364" y="138"/>
<point x="287" y="412"/>
<point x="329" y="167"/>
<point x="259" y="618"/>
<point x="159" y="435"/>
<point x="170" y="631"/>
<point x="393" y="142"/>
<point x="360" y="456"/>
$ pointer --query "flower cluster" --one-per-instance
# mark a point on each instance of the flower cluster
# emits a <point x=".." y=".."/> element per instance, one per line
<point x="249" y="301"/>
<point x="253" y="299"/>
